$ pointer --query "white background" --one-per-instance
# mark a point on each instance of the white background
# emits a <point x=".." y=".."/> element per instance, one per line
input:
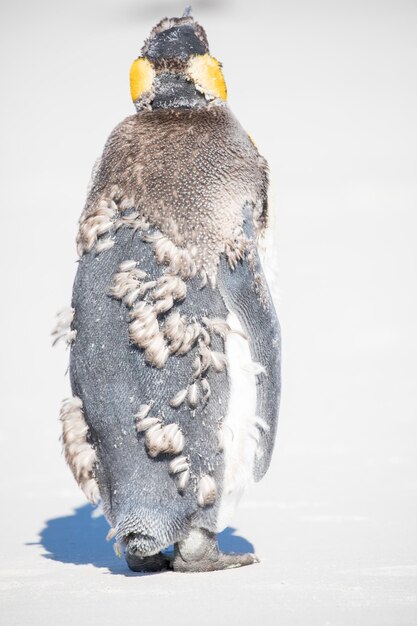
<point x="328" y="89"/>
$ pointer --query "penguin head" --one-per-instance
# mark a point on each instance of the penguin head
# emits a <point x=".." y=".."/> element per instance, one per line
<point x="175" y="69"/>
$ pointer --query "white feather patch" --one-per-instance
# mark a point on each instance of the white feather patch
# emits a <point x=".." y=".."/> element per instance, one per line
<point x="240" y="430"/>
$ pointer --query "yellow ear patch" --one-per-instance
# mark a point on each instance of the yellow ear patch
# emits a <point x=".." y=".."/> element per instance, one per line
<point x="141" y="77"/>
<point x="206" y="73"/>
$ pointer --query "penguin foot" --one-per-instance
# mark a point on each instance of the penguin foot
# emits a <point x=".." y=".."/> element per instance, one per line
<point x="199" y="552"/>
<point x="155" y="563"/>
<point x="224" y="561"/>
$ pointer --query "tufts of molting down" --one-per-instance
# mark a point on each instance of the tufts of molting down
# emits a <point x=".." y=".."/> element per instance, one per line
<point x="176" y="335"/>
<point x="130" y="284"/>
<point x="164" y="439"/>
<point x="178" y="260"/>
<point x="144" y="332"/>
<point x="206" y="491"/>
<point x="236" y="247"/>
<point x="79" y="454"/>
<point x="62" y="330"/>
<point x="97" y="229"/>
<point x="181" y="468"/>
<point x="180" y="335"/>
<point x="159" y="438"/>
<point x="98" y="223"/>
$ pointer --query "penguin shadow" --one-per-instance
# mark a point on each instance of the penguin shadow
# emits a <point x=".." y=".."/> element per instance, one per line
<point x="80" y="539"/>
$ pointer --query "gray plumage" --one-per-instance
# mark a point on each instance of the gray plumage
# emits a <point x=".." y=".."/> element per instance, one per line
<point x="113" y="380"/>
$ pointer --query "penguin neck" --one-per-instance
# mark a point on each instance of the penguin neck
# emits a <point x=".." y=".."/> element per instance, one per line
<point x="174" y="91"/>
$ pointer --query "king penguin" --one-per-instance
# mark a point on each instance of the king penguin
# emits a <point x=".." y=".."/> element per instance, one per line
<point x="174" y="339"/>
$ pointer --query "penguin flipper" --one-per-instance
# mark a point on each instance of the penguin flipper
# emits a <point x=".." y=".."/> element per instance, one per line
<point x="246" y="294"/>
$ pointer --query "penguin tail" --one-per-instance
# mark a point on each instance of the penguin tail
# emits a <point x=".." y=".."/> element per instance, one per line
<point x="150" y="530"/>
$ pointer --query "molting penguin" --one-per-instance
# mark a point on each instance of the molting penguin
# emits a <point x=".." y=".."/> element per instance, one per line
<point x="175" y="344"/>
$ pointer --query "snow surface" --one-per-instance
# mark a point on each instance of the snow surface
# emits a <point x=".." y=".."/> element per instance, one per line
<point x="328" y="90"/>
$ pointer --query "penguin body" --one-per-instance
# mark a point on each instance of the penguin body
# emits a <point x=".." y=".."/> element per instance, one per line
<point x="169" y="284"/>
